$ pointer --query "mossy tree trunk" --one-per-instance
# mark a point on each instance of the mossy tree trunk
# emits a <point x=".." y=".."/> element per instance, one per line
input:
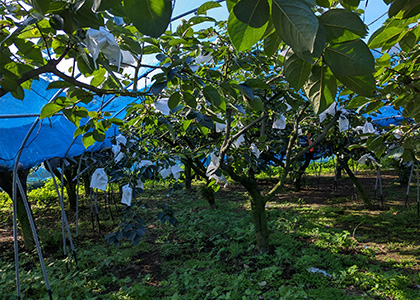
<point x="6" y="183"/>
<point x="258" y="201"/>
<point x="338" y="168"/>
<point x="259" y="215"/>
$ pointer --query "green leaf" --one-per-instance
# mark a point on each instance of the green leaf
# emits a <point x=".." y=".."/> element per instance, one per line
<point x="404" y="9"/>
<point x="158" y="87"/>
<point x="350" y="4"/>
<point x="202" y="10"/>
<point x="410" y="39"/>
<point x="18" y="93"/>
<point x="388" y="35"/>
<point x="342" y="25"/>
<point x="295" y="23"/>
<point x="98" y="135"/>
<point x="272" y="44"/>
<point x="256" y="104"/>
<point x="324" y="3"/>
<point x="40" y="5"/>
<point x="363" y="85"/>
<point x="87" y="18"/>
<point x="80" y="95"/>
<point x="85" y="65"/>
<point x="231" y="4"/>
<point x="374" y="106"/>
<point x="154" y="17"/>
<point x="254" y="13"/>
<point x="9" y="83"/>
<point x="59" y="85"/>
<point x="75" y="114"/>
<point x="88" y="139"/>
<point x="319" y="46"/>
<point x="189" y="99"/>
<point x="212" y="95"/>
<point x="354" y="146"/>
<point x="29" y="50"/>
<point x="116" y="121"/>
<point x="357" y="102"/>
<point x="50" y="109"/>
<point x="57" y="7"/>
<point x="376" y="145"/>
<point x="57" y="22"/>
<point x="350" y="58"/>
<point x="98" y="77"/>
<point x="111" y="5"/>
<point x="321" y="88"/>
<point x="257" y="83"/>
<point x="174" y="100"/>
<point x="243" y="37"/>
<point x="384" y="60"/>
<point x="296" y="70"/>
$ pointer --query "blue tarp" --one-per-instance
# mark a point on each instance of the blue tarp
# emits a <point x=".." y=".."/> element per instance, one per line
<point x="387" y="116"/>
<point x="51" y="137"/>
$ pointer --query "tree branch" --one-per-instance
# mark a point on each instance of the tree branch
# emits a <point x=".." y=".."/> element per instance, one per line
<point x="320" y="137"/>
<point x="230" y="140"/>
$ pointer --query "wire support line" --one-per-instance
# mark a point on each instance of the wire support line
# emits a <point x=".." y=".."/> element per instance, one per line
<point x="377" y="19"/>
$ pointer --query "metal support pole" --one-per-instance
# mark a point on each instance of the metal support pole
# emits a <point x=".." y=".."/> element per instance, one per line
<point x="91" y="209"/>
<point x="96" y="209"/>
<point x="376" y="182"/>
<point x="16" y="245"/>
<point x="64" y="216"/>
<point x="418" y="192"/>
<point x="380" y="187"/>
<point x="408" y="186"/>
<point x="35" y="235"/>
<point x="77" y="196"/>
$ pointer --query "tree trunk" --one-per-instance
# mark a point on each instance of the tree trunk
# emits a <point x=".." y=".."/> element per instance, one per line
<point x="259" y="215"/>
<point x="188" y="173"/>
<point x="70" y="186"/>
<point x="302" y="169"/>
<point x="85" y="178"/>
<point x="6" y="183"/>
<point x="207" y="193"/>
<point x="356" y="182"/>
<point x="257" y="208"/>
<point x="338" y="168"/>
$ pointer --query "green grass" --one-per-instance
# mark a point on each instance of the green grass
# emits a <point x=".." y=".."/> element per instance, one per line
<point x="328" y="252"/>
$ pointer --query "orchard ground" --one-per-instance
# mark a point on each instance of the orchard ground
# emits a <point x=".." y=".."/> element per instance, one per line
<point x="324" y="244"/>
